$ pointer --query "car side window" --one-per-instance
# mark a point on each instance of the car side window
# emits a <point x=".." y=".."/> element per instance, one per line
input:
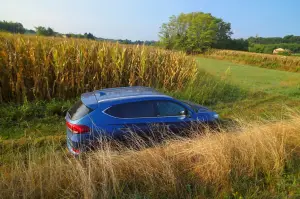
<point x="132" y="110"/>
<point x="168" y="108"/>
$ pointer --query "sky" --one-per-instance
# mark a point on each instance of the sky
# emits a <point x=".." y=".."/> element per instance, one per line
<point x="141" y="19"/>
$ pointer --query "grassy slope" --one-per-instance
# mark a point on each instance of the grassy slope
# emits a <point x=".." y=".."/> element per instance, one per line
<point x="273" y="92"/>
<point x="254" y="78"/>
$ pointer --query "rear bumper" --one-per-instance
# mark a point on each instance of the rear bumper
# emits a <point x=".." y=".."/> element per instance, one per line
<point x="76" y="142"/>
<point x="79" y="143"/>
<point x="73" y="147"/>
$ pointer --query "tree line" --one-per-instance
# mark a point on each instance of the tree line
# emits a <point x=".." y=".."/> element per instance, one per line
<point x="137" y="42"/>
<point x="268" y="48"/>
<point x="13" y="27"/>
<point x="192" y="32"/>
<point x="275" y="40"/>
<point x="43" y="31"/>
<point x="197" y="31"/>
<point x="268" y="44"/>
<point x="16" y="27"/>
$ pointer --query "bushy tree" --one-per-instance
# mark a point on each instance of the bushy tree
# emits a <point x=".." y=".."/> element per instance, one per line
<point x="40" y="30"/>
<point x="29" y="31"/>
<point x="194" y="32"/>
<point x="89" y="36"/>
<point x="223" y="36"/>
<point x="81" y="36"/>
<point x="258" y="48"/>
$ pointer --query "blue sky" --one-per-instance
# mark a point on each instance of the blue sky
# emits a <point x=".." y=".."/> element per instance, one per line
<point x="141" y="19"/>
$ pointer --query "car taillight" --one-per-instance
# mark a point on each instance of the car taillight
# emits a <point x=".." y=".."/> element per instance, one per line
<point x="76" y="151"/>
<point x="77" y="129"/>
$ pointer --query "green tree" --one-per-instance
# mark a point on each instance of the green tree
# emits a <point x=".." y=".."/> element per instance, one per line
<point x="194" y="32"/>
<point x="40" y="30"/>
<point x="13" y="27"/>
<point x="223" y="35"/>
<point x="237" y="44"/>
<point x="201" y="33"/>
<point x="29" y="31"/>
<point x="89" y="36"/>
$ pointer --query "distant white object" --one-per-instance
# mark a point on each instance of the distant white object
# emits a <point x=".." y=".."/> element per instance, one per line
<point x="280" y="50"/>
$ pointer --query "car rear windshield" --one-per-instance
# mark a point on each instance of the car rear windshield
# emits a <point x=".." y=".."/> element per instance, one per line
<point x="78" y="110"/>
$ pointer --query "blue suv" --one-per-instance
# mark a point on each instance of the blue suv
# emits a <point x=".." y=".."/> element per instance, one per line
<point x="114" y="112"/>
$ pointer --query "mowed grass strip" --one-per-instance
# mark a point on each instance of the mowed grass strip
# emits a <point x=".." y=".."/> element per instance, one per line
<point x="253" y="78"/>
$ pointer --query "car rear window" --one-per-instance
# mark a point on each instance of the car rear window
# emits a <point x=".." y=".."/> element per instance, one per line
<point x="78" y="110"/>
<point x="132" y="110"/>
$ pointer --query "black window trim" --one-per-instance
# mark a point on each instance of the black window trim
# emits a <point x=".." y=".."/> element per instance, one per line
<point x="156" y="109"/>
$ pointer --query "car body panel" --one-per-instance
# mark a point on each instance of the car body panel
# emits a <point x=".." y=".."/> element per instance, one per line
<point x="90" y="100"/>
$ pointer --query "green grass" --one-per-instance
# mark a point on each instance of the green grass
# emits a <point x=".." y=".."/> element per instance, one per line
<point x="296" y="54"/>
<point x="253" y="78"/>
<point x="271" y="94"/>
<point x="33" y="119"/>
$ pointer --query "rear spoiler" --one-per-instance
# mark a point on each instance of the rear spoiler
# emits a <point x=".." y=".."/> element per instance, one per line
<point x="90" y="100"/>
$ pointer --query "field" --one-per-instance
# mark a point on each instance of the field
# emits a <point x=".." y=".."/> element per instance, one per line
<point x="254" y="155"/>
<point x="255" y="79"/>
<point x="41" y="68"/>
<point x="270" y="92"/>
<point x="278" y="62"/>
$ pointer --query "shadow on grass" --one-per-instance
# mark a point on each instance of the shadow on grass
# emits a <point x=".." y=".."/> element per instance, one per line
<point x="210" y="90"/>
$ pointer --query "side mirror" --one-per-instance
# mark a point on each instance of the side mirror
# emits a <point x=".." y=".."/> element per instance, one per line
<point x="184" y="113"/>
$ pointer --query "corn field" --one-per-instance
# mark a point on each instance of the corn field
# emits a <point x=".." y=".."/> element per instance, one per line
<point x="278" y="62"/>
<point x="39" y="68"/>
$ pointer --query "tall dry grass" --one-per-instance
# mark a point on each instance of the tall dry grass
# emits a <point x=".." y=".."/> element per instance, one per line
<point x="39" y="68"/>
<point x="286" y="63"/>
<point x="204" y="165"/>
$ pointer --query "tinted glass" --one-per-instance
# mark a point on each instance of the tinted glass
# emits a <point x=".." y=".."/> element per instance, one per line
<point x="132" y="110"/>
<point x="78" y="110"/>
<point x="195" y="107"/>
<point x="192" y="105"/>
<point x="167" y="108"/>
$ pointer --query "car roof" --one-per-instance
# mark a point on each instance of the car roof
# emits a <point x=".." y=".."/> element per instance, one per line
<point x="120" y="93"/>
